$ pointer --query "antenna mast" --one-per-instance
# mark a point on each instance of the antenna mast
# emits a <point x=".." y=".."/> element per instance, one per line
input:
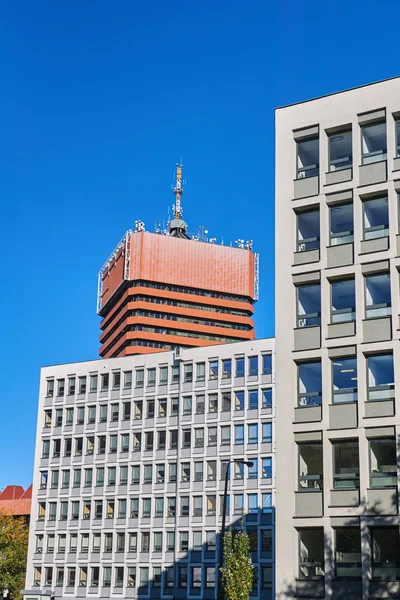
<point x="178" y="191"/>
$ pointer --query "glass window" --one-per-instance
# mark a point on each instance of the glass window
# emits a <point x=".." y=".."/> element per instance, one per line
<point x="311" y="553"/>
<point x="211" y="505"/>
<point x="340" y="151"/>
<point x="378" y="301"/>
<point x="144" y="576"/>
<point x="307" y="158"/>
<point x="186" y="438"/>
<point x="253" y="366"/>
<point x="156" y="582"/>
<point x="240" y="367"/>
<point x="266" y="540"/>
<point x="226" y="435"/>
<point x="198" y="471"/>
<point x="308" y="305"/>
<point x="151" y="377"/>
<point x="342" y="224"/>
<point x="159" y="508"/>
<point x="343" y="299"/>
<point x="162" y="408"/>
<point x="310" y="466"/>
<point x="146" y="510"/>
<point x="267" y="433"/>
<point x="197" y="541"/>
<point x="253" y="433"/>
<point x="182" y="577"/>
<point x="385" y="547"/>
<point x="239" y="470"/>
<point x="308" y="230"/>
<point x="239" y="400"/>
<point x="71" y="385"/>
<point x="197" y="506"/>
<point x="253" y="469"/>
<point x="344" y="375"/>
<point x="104" y="382"/>
<point x="226" y="402"/>
<point x="183" y="541"/>
<point x="127" y="380"/>
<point x="252" y="501"/>
<point x="50" y="388"/>
<point x="376" y="218"/>
<point x="210" y="577"/>
<point x="266" y="502"/>
<point x="160" y="473"/>
<point x="267" y="467"/>
<point x="82" y="384"/>
<point x="163" y="375"/>
<point x="253" y="399"/>
<point x="200" y="404"/>
<point x="175" y="374"/>
<point x="212" y="403"/>
<point x="187" y="405"/>
<point x="238" y="503"/>
<point x="212" y="436"/>
<point x="170" y="541"/>
<point x="93" y="383"/>
<point x="373" y="143"/>
<point x="211" y="470"/>
<point x="134" y="508"/>
<point x="196" y="577"/>
<point x="199" y="437"/>
<point x="239" y="434"/>
<point x="139" y="378"/>
<point x="267" y="398"/>
<point x="188" y="373"/>
<point x="185" y="471"/>
<point x="397" y="125"/>
<point x="213" y="369"/>
<point x="200" y="371"/>
<point x="184" y="506"/>
<point x="227" y="369"/>
<point x="210" y="541"/>
<point x="103" y="413"/>
<point x="145" y="547"/>
<point x="309" y="383"/>
<point x="348" y="552"/>
<point x="172" y="472"/>
<point x="266" y="364"/>
<point x="346" y="470"/>
<point x="383" y="464"/>
<point x="380" y="377"/>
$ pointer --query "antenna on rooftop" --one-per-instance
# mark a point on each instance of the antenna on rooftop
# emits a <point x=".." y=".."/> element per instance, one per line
<point x="178" y="191"/>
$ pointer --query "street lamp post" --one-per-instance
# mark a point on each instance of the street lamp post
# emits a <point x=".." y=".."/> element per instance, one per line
<point x="249" y="463"/>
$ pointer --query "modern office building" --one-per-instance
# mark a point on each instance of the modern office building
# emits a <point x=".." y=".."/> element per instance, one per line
<point x="130" y="460"/>
<point x="166" y="289"/>
<point x="337" y="345"/>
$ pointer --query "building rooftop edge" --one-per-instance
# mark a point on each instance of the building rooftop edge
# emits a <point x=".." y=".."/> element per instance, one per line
<point x="357" y="87"/>
<point x="203" y="348"/>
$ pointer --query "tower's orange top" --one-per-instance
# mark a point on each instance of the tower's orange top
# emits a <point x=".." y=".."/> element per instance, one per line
<point x="180" y="262"/>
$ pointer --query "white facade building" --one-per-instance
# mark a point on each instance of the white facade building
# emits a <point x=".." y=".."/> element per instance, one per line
<point x="337" y="345"/>
<point x="129" y="472"/>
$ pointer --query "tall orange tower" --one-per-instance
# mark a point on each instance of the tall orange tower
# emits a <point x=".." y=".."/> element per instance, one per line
<point x="166" y="289"/>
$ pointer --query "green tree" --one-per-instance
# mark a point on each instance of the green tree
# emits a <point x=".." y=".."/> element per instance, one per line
<point x="13" y="551"/>
<point x="238" y="574"/>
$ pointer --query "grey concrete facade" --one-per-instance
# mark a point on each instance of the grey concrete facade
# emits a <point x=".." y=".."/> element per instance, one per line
<point x="129" y="472"/>
<point x="337" y="499"/>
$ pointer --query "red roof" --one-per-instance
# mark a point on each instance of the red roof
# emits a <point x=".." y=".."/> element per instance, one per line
<point x="15" y="501"/>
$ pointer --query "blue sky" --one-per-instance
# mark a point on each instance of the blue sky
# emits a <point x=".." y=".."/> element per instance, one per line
<point x="99" y="99"/>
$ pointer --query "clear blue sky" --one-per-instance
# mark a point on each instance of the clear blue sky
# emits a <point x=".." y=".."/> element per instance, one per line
<point x="99" y="99"/>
